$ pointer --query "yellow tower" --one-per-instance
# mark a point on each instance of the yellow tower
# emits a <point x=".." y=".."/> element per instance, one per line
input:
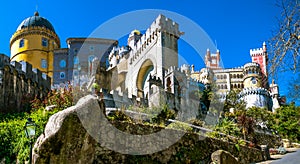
<point x="252" y="75"/>
<point x="34" y="42"/>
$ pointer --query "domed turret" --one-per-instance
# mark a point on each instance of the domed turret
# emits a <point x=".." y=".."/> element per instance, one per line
<point x="34" y="42"/>
<point x="36" y="21"/>
<point x="133" y="38"/>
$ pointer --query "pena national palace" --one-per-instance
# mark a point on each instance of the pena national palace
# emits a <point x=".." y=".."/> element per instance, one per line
<point x="145" y="71"/>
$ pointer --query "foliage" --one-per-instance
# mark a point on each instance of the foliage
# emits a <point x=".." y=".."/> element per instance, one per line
<point x="62" y="99"/>
<point x="224" y="129"/>
<point x="232" y="101"/>
<point x="179" y="126"/>
<point x="120" y="116"/>
<point x="287" y="122"/>
<point x="247" y="125"/>
<point x="261" y="116"/>
<point x="13" y="143"/>
<point x="164" y="115"/>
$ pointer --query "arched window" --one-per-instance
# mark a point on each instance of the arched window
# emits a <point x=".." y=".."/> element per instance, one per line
<point x="225" y="76"/>
<point x="62" y="75"/>
<point x="21" y="43"/>
<point x="44" y="63"/>
<point x="44" y="42"/>
<point x="234" y="75"/>
<point x="253" y="80"/>
<point x="225" y="86"/>
<point x="62" y="63"/>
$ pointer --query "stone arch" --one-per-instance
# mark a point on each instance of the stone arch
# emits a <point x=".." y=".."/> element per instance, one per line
<point x="142" y="76"/>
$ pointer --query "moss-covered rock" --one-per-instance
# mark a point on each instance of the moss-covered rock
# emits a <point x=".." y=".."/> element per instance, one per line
<point x="67" y="140"/>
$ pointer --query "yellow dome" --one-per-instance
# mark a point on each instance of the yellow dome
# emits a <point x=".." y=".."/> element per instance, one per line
<point x="137" y="32"/>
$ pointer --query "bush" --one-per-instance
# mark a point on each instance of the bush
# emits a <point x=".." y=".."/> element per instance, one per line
<point x="14" y="145"/>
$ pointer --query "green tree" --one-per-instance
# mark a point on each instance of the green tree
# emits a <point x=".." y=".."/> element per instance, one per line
<point x="261" y="115"/>
<point x="13" y="142"/>
<point x="287" y="122"/>
<point x="227" y="127"/>
<point x="232" y="101"/>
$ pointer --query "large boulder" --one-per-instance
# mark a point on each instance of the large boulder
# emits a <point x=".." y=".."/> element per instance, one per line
<point x="65" y="140"/>
<point x="223" y="157"/>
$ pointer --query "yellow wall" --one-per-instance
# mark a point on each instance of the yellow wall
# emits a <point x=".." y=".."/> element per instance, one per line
<point x="33" y="51"/>
<point x="248" y="83"/>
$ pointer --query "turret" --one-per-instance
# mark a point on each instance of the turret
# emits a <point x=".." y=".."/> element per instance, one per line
<point x="133" y="38"/>
<point x="212" y="60"/>
<point x="260" y="56"/>
<point x="252" y="75"/>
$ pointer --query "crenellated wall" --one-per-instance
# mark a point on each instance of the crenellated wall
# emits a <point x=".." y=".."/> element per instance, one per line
<point x="259" y="97"/>
<point x="19" y="83"/>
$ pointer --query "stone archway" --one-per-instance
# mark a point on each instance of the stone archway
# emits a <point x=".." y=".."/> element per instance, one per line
<point x="142" y="76"/>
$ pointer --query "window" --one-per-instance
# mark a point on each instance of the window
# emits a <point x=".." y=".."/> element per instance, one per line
<point x="76" y="60"/>
<point x="253" y="80"/>
<point x="62" y="75"/>
<point x="44" y="42"/>
<point x="21" y="44"/>
<point x="91" y="48"/>
<point x="213" y="61"/>
<point x="62" y="63"/>
<point x="44" y="63"/>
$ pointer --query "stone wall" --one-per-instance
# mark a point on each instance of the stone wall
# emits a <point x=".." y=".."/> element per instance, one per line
<point x="265" y="137"/>
<point x="19" y="83"/>
<point x="66" y="140"/>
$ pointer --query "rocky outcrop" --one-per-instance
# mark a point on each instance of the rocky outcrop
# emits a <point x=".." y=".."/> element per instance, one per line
<point x="65" y="140"/>
<point x="77" y="135"/>
<point x="223" y="157"/>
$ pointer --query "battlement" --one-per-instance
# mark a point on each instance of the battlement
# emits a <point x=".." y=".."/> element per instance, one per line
<point x="237" y="69"/>
<point x="196" y="82"/>
<point x="252" y="64"/>
<point x="174" y="69"/>
<point x="257" y="52"/>
<point x="155" y="80"/>
<point x="19" y="83"/>
<point x="163" y="23"/>
<point x="25" y="69"/>
<point x="149" y="38"/>
<point x="117" y="99"/>
<point x="254" y="91"/>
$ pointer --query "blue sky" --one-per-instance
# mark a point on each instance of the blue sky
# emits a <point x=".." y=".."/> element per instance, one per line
<point x="236" y="26"/>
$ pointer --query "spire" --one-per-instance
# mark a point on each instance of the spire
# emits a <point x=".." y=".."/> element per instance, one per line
<point x="36" y="13"/>
<point x="264" y="47"/>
